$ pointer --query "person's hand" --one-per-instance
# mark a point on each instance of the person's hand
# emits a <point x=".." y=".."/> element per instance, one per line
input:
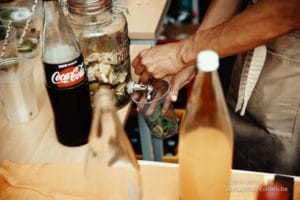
<point x="177" y="82"/>
<point x="158" y="62"/>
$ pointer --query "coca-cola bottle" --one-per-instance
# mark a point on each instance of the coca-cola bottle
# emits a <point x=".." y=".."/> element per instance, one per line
<point x="66" y="79"/>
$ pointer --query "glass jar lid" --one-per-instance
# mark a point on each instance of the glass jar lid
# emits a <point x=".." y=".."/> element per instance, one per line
<point x="88" y="6"/>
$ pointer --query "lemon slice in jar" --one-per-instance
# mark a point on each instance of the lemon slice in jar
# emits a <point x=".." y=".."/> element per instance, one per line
<point x="158" y="131"/>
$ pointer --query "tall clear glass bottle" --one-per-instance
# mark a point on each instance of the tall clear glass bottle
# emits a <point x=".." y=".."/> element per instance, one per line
<point x="66" y="77"/>
<point x="206" y="136"/>
<point x="103" y="38"/>
<point x="111" y="167"/>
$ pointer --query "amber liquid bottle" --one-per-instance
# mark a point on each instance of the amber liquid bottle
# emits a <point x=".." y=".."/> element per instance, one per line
<point x="206" y="136"/>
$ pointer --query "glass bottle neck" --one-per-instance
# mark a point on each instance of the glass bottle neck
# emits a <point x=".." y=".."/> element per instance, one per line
<point x="57" y="33"/>
<point x="210" y="101"/>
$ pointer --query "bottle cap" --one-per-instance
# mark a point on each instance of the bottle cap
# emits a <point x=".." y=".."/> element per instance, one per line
<point x="207" y="60"/>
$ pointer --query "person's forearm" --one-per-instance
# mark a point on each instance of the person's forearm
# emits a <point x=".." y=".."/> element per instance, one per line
<point x="255" y="26"/>
<point x="220" y="11"/>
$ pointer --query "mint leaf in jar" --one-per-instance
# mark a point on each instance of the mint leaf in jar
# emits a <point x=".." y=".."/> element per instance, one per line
<point x="159" y="125"/>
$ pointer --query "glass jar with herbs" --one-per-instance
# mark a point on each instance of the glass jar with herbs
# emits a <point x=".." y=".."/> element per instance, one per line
<point x="103" y="38"/>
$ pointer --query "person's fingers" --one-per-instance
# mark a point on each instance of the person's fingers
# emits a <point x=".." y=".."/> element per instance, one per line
<point x="137" y="64"/>
<point x="159" y="69"/>
<point x="175" y="87"/>
<point x="167" y="104"/>
<point x="151" y="107"/>
<point x="144" y="77"/>
<point x="158" y="74"/>
<point x="136" y="60"/>
<point x="139" y="69"/>
<point x="187" y="81"/>
<point x="140" y="100"/>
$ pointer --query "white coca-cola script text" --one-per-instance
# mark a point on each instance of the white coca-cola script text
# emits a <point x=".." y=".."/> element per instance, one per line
<point x="69" y="76"/>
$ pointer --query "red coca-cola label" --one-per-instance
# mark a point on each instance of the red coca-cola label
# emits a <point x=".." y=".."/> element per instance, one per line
<point x="68" y="77"/>
<point x="65" y="75"/>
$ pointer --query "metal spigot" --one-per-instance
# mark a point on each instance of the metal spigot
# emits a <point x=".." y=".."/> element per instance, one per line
<point x="140" y="87"/>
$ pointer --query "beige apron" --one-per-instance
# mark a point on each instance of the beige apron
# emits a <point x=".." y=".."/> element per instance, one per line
<point x="264" y="101"/>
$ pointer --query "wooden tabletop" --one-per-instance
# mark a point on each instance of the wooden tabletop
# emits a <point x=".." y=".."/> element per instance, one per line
<point x="243" y="185"/>
<point x="45" y="178"/>
<point x="35" y="141"/>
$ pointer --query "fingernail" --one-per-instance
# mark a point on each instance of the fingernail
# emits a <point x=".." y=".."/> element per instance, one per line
<point x="173" y="97"/>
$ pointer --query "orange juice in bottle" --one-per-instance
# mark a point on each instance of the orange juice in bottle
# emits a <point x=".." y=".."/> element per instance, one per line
<point x="206" y="137"/>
